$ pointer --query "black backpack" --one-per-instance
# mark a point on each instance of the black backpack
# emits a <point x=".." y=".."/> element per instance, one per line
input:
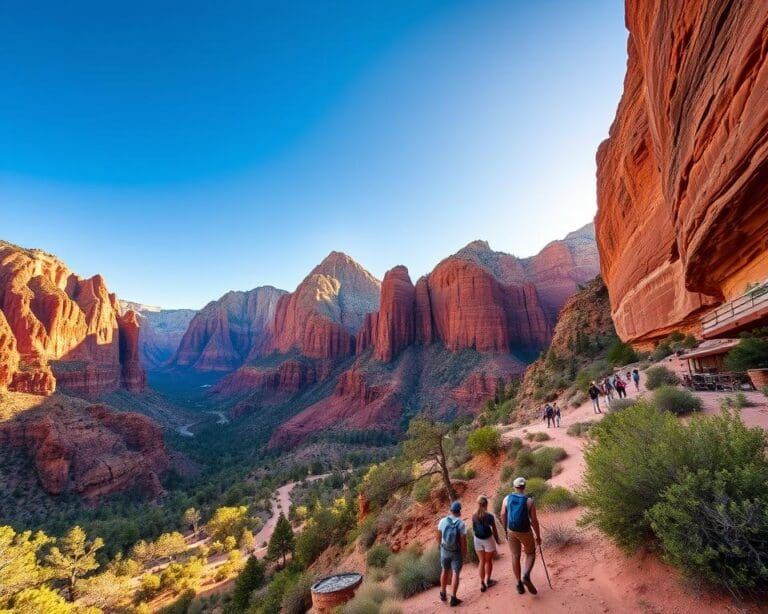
<point x="482" y="529"/>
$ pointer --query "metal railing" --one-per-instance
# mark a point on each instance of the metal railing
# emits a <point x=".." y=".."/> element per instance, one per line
<point x="750" y="302"/>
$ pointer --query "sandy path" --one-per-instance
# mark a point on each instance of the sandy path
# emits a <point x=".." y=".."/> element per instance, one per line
<point x="593" y="575"/>
<point x="222" y="418"/>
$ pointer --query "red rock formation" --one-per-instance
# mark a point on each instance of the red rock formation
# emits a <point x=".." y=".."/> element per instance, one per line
<point x="92" y="452"/>
<point x="229" y="331"/>
<point x="366" y="336"/>
<point x="320" y="318"/>
<point x="161" y="332"/>
<point x="424" y="327"/>
<point x="396" y="321"/>
<point x="66" y="328"/>
<point x="9" y="355"/>
<point x="683" y="177"/>
<point x="134" y="378"/>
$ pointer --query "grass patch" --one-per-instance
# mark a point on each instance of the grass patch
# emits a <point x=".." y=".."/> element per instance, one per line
<point x="561" y="535"/>
<point x="620" y="404"/>
<point x="538" y="464"/>
<point x="378" y="556"/>
<point x="417" y="574"/>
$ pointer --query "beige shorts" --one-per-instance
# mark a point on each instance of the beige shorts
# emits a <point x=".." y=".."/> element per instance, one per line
<point x="484" y="545"/>
<point x="518" y="541"/>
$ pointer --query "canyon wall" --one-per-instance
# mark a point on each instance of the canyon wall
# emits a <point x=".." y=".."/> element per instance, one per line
<point x="59" y="330"/>
<point x="161" y="332"/>
<point x="683" y="177"/>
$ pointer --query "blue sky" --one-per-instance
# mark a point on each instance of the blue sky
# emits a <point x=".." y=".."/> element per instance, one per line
<point x="183" y="149"/>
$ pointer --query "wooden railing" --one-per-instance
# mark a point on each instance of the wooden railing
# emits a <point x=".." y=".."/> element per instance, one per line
<point x="752" y="301"/>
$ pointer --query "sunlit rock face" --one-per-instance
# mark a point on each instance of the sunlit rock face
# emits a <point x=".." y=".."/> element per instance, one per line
<point x="59" y="330"/>
<point x="683" y="178"/>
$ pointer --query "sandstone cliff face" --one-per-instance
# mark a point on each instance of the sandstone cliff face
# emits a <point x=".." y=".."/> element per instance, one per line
<point x="683" y="177"/>
<point x="91" y="451"/>
<point x="229" y="331"/>
<point x="66" y="330"/>
<point x="320" y="318"/>
<point x="396" y="319"/>
<point x="161" y="331"/>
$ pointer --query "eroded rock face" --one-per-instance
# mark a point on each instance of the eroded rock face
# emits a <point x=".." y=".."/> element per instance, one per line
<point x="91" y="451"/>
<point x="161" y="331"/>
<point x="683" y="177"/>
<point x="229" y="331"/>
<point x="396" y="321"/>
<point x="320" y="318"/>
<point x="66" y="330"/>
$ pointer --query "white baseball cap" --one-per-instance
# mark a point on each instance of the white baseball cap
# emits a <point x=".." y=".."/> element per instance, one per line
<point x="519" y="482"/>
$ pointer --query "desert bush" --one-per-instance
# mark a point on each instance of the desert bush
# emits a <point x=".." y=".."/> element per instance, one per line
<point x="538" y="436"/>
<point x="676" y="400"/>
<point x="561" y="535"/>
<point x="464" y="473"/>
<point x="658" y="376"/>
<point x="471" y="553"/>
<point x="578" y="399"/>
<point x="635" y="455"/>
<point x="515" y="444"/>
<point x="417" y="574"/>
<point x="506" y="472"/>
<point x="750" y="353"/>
<point x="620" y="404"/>
<point x="714" y="526"/>
<point x="621" y="353"/>
<point x="739" y="401"/>
<point x="297" y="598"/>
<point x="558" y="499"/>
<point x="580" y="429"/>
<point x="484" y="440"/>
<point x="398" y="560"/>
<point x="390" y="606"/>
<point x="421" y="490"/>
<point x="538" y="464"/>
<point x="377" y="556"/>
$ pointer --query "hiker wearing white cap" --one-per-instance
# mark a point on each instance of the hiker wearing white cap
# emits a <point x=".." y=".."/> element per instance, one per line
<point x="519" y="513"/>
<point x="452" y="537"/>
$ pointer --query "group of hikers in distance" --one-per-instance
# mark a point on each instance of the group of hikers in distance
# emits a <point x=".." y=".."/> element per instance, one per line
<point x="522" y="532"/>
<point x="610" y="384"/>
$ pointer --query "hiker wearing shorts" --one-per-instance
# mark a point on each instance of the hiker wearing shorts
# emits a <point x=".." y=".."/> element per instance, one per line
<point x="594" y="394"/>
<point x="485" y="537"/>
<point x="452" y="537"/>
<point x="523" y="533"/>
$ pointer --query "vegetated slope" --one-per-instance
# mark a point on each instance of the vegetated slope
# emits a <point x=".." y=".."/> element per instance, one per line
<point x="582" y="337"/>
<point x="63" y="445"/>
<point x="441" y="344"/>
<point x="683" y="177"/>
<point x="60" y="331"/>
<point x="160" y="332"/>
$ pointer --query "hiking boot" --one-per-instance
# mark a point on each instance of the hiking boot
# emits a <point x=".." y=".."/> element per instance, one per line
<point x="529" y="585"/>
<point x="490" y="583"/>
<point x="483" y="587"/>
<point x="520" y="588"/>
<point x="455" y="601"/>
<point x="443" y="596"/>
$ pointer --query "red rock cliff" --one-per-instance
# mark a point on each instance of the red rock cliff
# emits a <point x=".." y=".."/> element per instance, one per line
<point x="396" y="321"/>
<point x="683" y="176"/>
<point x="91" y="451"/>
<point x="66" y="329"/>
<point x="229" y="331"/>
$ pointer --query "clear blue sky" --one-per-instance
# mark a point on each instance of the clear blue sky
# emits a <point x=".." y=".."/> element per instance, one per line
<point x="183" y="149"/>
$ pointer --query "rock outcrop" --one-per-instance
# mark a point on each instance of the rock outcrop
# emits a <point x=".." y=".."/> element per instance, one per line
<point x="229" y="331"/>
<point x="67" y="331"/>
<point x="683" y="176"/>
<point x="320" y="318"/>
<point x="88" y="450"/>
<point x="161" y="331"/>
<point x="396" y="319"/>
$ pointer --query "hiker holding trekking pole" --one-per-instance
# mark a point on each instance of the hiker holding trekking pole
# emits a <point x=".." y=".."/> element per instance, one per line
<point x="523" y="533"/>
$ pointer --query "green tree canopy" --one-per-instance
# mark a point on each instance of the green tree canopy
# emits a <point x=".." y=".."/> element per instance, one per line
<point x="282" y="541"/>
<point x="74" y="557"/>
<point x="19" y="563"/>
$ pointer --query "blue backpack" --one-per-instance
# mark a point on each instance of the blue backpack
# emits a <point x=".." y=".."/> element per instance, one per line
<point x="517" y="513"/>
<point x="451" y="535"/>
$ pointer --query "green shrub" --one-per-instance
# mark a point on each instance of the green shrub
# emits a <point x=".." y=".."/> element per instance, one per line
<point x="378" y="555"/>
<point x="558" y="499"/>
<point x="421" y="490"/>
<point x="538" y="436"/>
<point x="750" y="353"/>
<point x="515" y="444"/>
<point x="538" y="464"/>
<point x="621" y="353"/>
<point x="506" y="472"/>
<point x="297" y="598"/>
<point x="418" y="574"/>
<point x="658" y="376"/>
<point x="471" y="553"/>
<point x="715" y="526"/>
<point x="620" y="404"/>
<point x="397" y="561"/>
<point x="633" y="456"/>
<point x="676" y="400"/>
<point x="484" y="440"/>
<point x="578" y="399"/>
<point x="561" y="535"/>
<point x="580" y="429"/>
<point x="464" y="473"/>
<point x="359" y="605"/>
<point x="367" y="531"/>
<point x="661" y="351"/>
<point x="390" y="606"/>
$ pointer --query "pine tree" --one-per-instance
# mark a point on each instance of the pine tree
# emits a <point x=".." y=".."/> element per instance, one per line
<point x="249" y="579"/>
<point x="75" y="558"/>
<point x="282" y="541"/>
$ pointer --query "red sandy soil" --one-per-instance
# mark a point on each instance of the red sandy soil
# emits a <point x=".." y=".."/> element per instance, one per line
<point x="592" y="575"/>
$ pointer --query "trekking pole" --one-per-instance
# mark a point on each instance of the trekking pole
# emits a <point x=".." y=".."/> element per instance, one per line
<point x="543" y="562"/>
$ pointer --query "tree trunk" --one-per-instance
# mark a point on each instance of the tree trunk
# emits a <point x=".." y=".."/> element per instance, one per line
<point x="444" y="470"/>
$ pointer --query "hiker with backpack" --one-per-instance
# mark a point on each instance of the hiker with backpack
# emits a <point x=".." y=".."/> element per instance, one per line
<point x="452" y="537"/>
<point x="549" y="414"/>
<point x="523" y="533"/>
<point x="594" y="394"/>
<point x="620" y="386"/>
<point x="636" y="379"/>
<point x="608" y="388"/>
<point x="486" y="536"/>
